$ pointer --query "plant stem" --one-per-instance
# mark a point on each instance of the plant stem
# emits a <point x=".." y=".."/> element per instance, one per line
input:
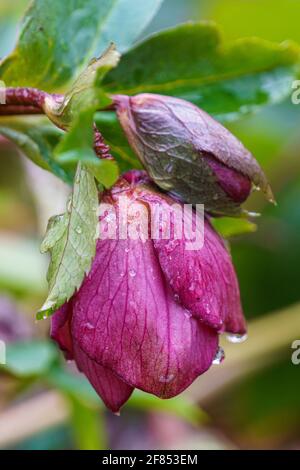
<point x="101" y="149"/>
<point x="15" y="110"/>
<point x="26" y="101"/>
<point x="31" y="97"/>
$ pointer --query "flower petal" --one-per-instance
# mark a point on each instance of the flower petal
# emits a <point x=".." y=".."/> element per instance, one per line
<point x="113" y="391"/>
<point x="204" y="280"/>
<point x="60" y="329"/>
<point x="126" y="318"/>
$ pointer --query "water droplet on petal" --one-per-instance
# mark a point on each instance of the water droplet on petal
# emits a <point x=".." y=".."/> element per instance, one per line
<point x="235" y="338"/>
<point x="126" y="250"/>
<point x="166" y="378"/>
<point x="169" y="167"/>
<point x="219" y="357"/>
<point x="89" y="326"/>
<point x="176" y="297"/>
<point x="187" y="313"/>
<point x="132" y="273"/>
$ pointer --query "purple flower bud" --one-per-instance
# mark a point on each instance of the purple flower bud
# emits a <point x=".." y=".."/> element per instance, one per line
<point x="189" y="154"/>
<point x="150" y="311"/>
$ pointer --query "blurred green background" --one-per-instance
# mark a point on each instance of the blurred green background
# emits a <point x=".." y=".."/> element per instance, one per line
<point x="252" y="399"/>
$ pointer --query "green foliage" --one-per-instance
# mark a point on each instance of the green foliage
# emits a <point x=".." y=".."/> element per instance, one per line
<point x="77" y="145"/>
<point x="30" y="358"/>
<point x="37" y="142"/>
<point x="230" y="227"/>
<point x="84" y="94"/>
<point x="71" y="240"/>
<point x="64" y="35"/>
<point x="191" y="62"/>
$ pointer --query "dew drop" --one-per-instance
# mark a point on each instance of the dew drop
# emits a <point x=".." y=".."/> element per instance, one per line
<point x="117" y="413"/>
<point x="176" y="297"/>
<point x="166" y="378"/>
<point x="253" y="214"/>
<point x="187" y="313"/>
<point x="234" y="338"/>
<point x="79" y="230"/>
<point x="192" y="287"/>
<point x="132" y="273"/>
<point x="69" y="205"/>
<point x="89" y="326"/>
<point x="126" y="250"/>
<point x="169" y="167"/>
<point x="219" y="357"/>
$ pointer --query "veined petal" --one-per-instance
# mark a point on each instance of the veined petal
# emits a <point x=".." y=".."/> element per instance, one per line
<point x="61" y="329"/>
<point x="204" y="280"/>
<point x="126" y="318"/>
<point x="113" y="391"/>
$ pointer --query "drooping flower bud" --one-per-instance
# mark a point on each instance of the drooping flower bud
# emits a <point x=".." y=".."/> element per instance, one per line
<point x="189" y="154"/>
<point x="150" y="311"/>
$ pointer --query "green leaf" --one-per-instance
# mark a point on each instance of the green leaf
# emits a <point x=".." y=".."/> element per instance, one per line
<point x="191" y="62"/>
<point x="30" y="358"/>
<point x="85" y="93"/>
<point x="58" y="37"/>
<point x="71" y="240"/>
<point x="36" y="142"/>
<point x="230" y="227"/>
<point x="77" y="145"/>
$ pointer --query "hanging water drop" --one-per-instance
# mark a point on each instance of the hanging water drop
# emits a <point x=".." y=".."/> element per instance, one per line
<point x="235" y="338"/>
<point x="219" y="357"/>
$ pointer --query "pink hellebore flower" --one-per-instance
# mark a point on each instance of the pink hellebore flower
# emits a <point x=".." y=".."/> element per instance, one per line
<point x="149" y="313"/>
